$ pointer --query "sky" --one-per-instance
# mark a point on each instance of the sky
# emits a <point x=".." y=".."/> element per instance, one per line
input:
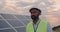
<point x="50" y="8"/>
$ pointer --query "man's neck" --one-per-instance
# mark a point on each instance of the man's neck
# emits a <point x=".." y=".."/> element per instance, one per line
<point x="35" y="21"/>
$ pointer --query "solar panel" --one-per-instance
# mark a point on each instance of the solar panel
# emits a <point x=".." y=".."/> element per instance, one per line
<point x="10" y="23"/>
<point x="7" y="30"/>
<point x="0" y="18"/>
<point x="23" y="29"/>
<point x="8" y="16"/>
<point x="15" y="23"/>
<point x="25" y="21"/>
<point x="3" y="24"/>
<point x="20" y="16"/>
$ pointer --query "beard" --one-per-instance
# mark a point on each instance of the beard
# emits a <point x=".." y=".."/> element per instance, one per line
<point x="34" y="17"/>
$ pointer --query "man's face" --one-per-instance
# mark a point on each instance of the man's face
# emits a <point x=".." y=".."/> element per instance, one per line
<point x="35" y="14"/>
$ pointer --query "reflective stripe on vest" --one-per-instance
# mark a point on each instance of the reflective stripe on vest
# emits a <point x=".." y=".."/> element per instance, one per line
<point x="42" y="27"/>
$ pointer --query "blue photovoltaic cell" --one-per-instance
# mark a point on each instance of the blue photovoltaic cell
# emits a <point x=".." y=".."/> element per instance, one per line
<point x="8" y="16"/>
<point x="3" y="24"/>
<point x="15" y="23"/>
<point x="7" y="30"/>
<point x="22" y="29"/>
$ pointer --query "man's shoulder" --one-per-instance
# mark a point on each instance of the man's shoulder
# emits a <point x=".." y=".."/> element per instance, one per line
<point x="44" y="20"/>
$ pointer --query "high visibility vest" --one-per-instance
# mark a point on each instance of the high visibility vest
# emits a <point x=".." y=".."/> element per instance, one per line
<point x="42" y="27"/>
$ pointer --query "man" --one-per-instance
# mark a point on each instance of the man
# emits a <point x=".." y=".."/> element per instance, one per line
<point x="37" y="25"/>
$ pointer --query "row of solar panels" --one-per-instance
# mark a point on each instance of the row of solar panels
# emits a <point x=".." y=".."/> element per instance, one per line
<point x="10" y="21"/>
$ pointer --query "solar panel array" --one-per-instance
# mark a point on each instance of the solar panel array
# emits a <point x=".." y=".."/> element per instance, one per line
<point x="13" y="23"/>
